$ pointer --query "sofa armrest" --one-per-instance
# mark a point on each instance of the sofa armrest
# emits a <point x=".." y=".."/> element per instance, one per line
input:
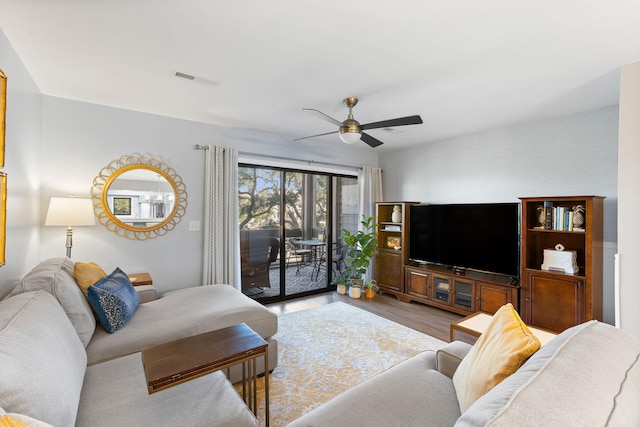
<point x="449" y="357"/>
<point x="147" y="293"/>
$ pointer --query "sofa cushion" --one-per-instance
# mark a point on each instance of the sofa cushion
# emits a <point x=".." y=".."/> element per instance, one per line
<point x="114" y="300"/>
<point x="42" y="361"/>
<point x="115" y="394"/>
<point x="180" y="314"/>
<point x="411" y="393"/>
<point x="499" y="352"/>
<point x="55" y="276"/>
<point x="87" y="274"/>
<point x="589" y="372"/>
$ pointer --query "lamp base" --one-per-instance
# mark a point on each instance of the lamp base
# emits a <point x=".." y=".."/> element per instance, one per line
<point x="69" y="241"/>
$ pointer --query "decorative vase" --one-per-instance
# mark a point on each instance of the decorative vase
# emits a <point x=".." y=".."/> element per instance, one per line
<point x="369" y="293"/>
<point x="396" y="215"/>
<point x="342" y="289"/>
<point x="578" y="216"/>
<point x="541" y="217"/>
<point x="354" y="292"/>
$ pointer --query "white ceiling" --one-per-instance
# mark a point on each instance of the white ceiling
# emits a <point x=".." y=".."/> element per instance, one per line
<point x="464" y="66"/>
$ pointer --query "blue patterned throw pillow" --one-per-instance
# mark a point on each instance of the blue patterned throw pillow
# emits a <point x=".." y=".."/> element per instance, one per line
<point x="114" y="300"/>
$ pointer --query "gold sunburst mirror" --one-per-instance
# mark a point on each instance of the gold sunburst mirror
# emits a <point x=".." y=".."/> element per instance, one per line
<point x="139" y="197"/>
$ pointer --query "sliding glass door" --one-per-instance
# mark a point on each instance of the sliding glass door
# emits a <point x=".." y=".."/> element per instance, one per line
<point x="290" y="224"/>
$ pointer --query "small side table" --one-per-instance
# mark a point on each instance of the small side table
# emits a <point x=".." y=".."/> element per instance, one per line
<point x="140" y="279"/>
<point x="172" y="363"/>
<point x="475" y="324"/>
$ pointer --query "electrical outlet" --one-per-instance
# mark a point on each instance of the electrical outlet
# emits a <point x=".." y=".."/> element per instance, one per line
<point x="194" y="225"/>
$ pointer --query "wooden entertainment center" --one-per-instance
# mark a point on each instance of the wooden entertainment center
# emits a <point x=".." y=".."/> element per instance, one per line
<point x="552" y="300"/>
<point x="464" y="292"/>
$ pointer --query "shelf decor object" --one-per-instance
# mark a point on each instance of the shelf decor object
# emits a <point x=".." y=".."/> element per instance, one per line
<point x="396" y="214"/>
<point x="578" y="217"/>
<point x="557" y="259"/>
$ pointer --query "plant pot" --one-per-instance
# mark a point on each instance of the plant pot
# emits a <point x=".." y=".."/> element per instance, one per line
<point x="359" y="283"/>
<point x="342" y="289"/>
<point x="354" y="292"/>
<point x="369" y="293"/>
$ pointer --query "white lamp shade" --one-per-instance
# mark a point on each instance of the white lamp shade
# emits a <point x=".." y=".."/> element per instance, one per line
<point x="350" y="137"/>
<point x="69" y="211"/>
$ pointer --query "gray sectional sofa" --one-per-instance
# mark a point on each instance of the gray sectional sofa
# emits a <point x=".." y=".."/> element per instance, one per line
<point x="588" y="375"/>
<point x="58" y="367"/>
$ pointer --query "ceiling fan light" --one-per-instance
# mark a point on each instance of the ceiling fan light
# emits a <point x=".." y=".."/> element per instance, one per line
<point x="350" y="131"/>
<point x="350" y="137"/>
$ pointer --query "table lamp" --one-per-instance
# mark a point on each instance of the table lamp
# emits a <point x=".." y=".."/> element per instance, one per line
<point x="69" y="212"/>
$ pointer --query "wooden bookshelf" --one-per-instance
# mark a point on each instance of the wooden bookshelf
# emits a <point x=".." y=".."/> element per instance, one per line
<point x="393" y="246"/>
<point x="552" y="299"/>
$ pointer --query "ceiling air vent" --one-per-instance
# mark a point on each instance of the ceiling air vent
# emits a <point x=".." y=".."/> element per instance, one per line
<point x="196" y="79"/>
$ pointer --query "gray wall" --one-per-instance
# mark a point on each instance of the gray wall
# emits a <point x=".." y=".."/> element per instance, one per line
<point x="79" y="139"/>
<point x="55" y="147"/>
<point x="22" y="166"/>
<point x="571" y="155"/>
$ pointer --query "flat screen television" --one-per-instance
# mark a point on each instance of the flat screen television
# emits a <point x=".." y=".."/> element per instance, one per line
<point x="481" y="237"/>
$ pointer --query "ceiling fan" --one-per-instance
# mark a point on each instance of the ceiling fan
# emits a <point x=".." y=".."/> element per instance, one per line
<point x="351" y="131"/>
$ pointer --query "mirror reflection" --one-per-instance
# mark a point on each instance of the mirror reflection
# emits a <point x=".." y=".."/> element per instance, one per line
<point x="141" y="198"/>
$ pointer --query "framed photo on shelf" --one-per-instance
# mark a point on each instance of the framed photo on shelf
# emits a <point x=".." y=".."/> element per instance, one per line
<point x="392" y="242"/>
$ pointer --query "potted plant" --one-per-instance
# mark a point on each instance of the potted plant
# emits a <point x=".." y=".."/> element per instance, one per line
<point x="355" y="290"/>
<point x="370" y="289"/>
<point x="361" y="247"/>
<point x="342" y="284"/>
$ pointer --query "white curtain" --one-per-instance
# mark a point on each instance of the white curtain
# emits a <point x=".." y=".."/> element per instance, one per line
<point x="221" y="264"/>
<point x="370" y="185"/>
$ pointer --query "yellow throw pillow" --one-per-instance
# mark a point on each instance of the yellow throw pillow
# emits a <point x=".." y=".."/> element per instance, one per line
<point x="87" y="274"/>
<point x="499" y="352"/>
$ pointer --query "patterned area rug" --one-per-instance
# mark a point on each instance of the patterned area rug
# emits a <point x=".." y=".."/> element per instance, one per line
<point x="327" y="350"/>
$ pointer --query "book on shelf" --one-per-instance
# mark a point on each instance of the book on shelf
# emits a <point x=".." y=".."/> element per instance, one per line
<point x="559" y="218"/>
<point x="548" y="215"/>
<point x="392" y="228"/>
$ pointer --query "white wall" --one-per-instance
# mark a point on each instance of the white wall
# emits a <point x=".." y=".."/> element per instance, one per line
<point x="629" y="190"/>
<point x="79" y="139"/>
<point x="572" y="155"/>
<point x="22" y="166"/>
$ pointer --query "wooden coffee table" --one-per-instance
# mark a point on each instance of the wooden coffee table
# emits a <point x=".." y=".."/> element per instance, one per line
<point x="175" y="362"/>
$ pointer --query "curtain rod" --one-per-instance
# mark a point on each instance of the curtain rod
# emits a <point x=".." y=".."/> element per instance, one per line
<point x="268" y="156"/>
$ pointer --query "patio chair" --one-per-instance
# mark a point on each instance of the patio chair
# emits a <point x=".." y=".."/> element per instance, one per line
<point x="256" y="255"/>
<point x="294" y="251"/>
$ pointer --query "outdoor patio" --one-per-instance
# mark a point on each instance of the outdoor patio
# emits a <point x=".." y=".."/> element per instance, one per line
<point x="297" y="281"/>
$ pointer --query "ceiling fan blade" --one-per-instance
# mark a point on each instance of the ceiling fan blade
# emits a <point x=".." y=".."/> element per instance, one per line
<point x="313" y="136"/>
<point x="402" y="121"/>
<point x="370" y="141"/>
<point x="323" y="116"/>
